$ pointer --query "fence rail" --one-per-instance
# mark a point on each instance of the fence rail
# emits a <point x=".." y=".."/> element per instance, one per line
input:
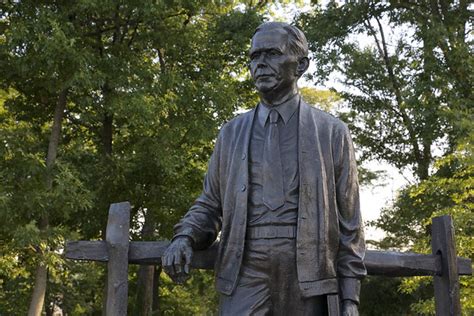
<point x="118" y="252"/>
<point x="386" y="263"/>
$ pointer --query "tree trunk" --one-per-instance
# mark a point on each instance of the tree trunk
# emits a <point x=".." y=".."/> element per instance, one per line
<point x="39" y="290"/>
<point x="145" y="290"/>
<point x="107" y="121"/>
<point x="41" y="274"/>
<point x="106" y="135"/>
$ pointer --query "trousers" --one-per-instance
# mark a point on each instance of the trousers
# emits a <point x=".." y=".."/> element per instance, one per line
<point x="268" y="283"/>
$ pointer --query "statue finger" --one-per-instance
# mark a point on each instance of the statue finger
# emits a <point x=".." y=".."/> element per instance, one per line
<point x="188" y="257"/>
<point x="165" y="260"/>
<point x="168" y="265"/>
<point x="177" y="264"/>
<point x="168" y="270"/>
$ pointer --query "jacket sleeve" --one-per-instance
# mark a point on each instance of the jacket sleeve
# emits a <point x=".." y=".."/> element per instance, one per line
<point x="203" y="221"/>
<point x="350" y="265"/>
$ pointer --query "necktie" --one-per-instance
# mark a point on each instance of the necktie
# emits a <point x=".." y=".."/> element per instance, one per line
<point x="273" y="194"/>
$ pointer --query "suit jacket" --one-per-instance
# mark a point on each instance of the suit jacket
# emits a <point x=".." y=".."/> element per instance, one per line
<point x="330" y="242"/>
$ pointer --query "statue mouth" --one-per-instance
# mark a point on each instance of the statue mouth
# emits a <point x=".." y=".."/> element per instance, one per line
<point x="264" y="76"/>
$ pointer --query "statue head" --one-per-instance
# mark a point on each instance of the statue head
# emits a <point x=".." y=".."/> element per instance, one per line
<point x="278" y="58"/>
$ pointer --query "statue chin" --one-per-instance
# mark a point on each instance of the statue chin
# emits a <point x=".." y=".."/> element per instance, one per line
<point x="265" y="87"/>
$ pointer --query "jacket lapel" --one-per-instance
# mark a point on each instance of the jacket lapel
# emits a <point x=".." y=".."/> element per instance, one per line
<point x="309" y="164"/>
<point x="310" y="204"/>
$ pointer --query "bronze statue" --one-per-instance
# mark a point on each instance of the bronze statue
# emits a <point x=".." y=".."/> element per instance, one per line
<point x="280" y="195"/>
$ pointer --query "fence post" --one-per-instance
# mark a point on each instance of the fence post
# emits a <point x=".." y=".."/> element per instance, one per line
<point x="446" y="285"/>
<point x="117" y="238"/>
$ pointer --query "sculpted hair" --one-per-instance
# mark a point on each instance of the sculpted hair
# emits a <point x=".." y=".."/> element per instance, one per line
<point x="296" y="39"/>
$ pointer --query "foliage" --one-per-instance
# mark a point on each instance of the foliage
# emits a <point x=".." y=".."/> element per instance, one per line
<point x="388" y="303"/>
<point x="326" y="100"/>
<point x="182" y="300"/>
<point x="148" y="85"/>
<point x="404" y="88"/>
<point x="449" y="191"/>
<point x="406" y="75"/>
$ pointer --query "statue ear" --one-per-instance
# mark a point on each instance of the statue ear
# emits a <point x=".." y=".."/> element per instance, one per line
<point x="303" y="65"/>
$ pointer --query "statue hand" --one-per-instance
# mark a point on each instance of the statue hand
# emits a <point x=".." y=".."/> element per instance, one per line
<point x="349" y="308"/>
<point x="176" y="260"/>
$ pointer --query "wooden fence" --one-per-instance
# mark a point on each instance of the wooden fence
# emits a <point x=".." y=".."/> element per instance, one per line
<point x="118" y="252"/>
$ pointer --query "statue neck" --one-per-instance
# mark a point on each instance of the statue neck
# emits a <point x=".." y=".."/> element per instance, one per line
<point x="275" y="98"/>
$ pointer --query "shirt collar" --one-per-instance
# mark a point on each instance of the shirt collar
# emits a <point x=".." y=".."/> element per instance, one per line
<point x="285" y="109"/>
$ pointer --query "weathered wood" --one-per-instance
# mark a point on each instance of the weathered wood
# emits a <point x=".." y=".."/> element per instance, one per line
<point x="464" y="266"/>
<point x="95" y="250"/>
<point x="446" y="284"/>
<point x="145" y="252"/>
<point x="140" y="252"/>
<point x="118" y="252"/>
<point x="377" y="262"/>
<point x="117" y="241"/>
<point x="395" y="264"/>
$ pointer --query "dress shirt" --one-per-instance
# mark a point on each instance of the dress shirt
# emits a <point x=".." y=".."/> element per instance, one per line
<point x="287" y="125"/>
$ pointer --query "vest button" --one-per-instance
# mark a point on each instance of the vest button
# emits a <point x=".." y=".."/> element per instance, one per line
<point x="244" y="155"/>
<point x="243" y="188"/>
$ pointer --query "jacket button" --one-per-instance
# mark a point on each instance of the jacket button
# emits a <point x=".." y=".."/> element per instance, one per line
<point x="243" y="187"/>
<point x="244" y="155"/>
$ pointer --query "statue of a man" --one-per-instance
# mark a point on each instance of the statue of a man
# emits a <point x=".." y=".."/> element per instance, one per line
<point x="282" y="192"/>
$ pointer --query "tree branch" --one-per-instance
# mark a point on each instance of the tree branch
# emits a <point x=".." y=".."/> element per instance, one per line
<point x="383" y="50"/>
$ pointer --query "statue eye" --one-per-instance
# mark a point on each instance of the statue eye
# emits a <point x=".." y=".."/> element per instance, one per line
<point x="255" y="55"/>
<point x="273" y="52"/>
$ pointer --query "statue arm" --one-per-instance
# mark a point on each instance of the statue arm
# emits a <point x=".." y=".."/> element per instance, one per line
<point x="350" y="266"/>
<point x="202" y="222"/>
<point x="198" y="228"/>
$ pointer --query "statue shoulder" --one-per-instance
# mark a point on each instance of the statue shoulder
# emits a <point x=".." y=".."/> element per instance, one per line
<point x="323" y="117"/>
<point x="241" y="120"/>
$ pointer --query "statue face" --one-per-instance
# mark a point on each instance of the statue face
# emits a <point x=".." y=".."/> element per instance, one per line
<point x="272" y="65"/>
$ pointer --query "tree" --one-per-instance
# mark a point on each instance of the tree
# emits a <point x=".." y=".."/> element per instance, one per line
<point x="404" y="88"/>
<point x="405" y="70"/>
<point x="148" y="84"/>
<point x="35" y="36"/>
<point x="450" y="190"/>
